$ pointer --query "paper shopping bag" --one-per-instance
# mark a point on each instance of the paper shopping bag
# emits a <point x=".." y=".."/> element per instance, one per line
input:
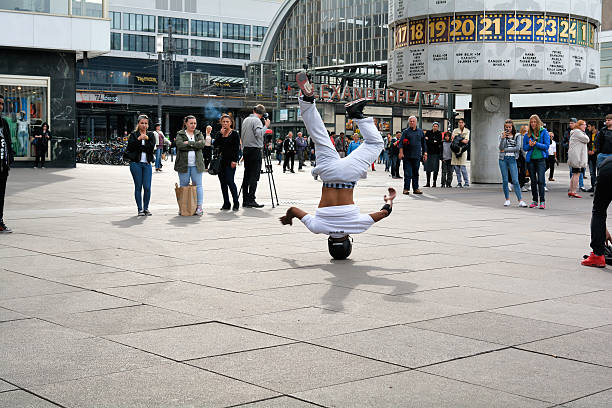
<point x="187" y="199"/>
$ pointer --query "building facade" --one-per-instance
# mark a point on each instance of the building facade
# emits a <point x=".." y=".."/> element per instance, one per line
<point x="40" y="47"/>
<point x="209" y="40"/>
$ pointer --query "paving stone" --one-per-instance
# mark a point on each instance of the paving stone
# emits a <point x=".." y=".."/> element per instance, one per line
<point x="307" y="323"/>
<point x="528" y="374"/>
<point x="415" y="389"/>
<point x="472" y="298"/>
<point x="15" y="285"/>
<point x="109" y="280"/>
<point x="406" y="346"/>
<point x="599" y="400"/>
<point x="591" y="346"/>
<point x="198" y="340"/>
<point x="201" y="301"/>
<point x="124" y="320"/>
<point x="73" y="302"/>
<point x="562" y="312"/>
<point x="160" y="386"/>
<point x="23" y="399"/>
<point x="4" y="386"/>
<point x="47" y="354"/>
<point x="6" y="252"/>
<point x="7" y="315"/>
<point x="598" y="299"/>
<point x="295" y="367"/>
<point x="496" y="328"/>
<point x="279" y="402"/>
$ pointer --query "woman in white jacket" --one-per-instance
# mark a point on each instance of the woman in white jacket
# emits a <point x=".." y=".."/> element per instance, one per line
<point x="577" y="156"/>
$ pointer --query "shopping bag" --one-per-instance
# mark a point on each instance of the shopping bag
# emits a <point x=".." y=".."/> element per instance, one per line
<point x="187" y="199"/>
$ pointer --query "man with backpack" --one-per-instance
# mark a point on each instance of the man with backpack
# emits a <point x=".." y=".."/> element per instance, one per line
<point x="460" y="146"/>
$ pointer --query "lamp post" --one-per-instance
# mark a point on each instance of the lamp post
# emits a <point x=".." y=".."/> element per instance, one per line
<point x="159" y="48"/>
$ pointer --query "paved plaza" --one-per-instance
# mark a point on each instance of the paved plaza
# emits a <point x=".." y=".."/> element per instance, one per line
<point x="453" y="301"/>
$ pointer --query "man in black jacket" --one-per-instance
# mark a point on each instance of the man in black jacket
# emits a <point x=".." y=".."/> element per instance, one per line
<point x="413" y="149"/>
<point x="6" y="159"/>
<point x="600" y="235"/>
<point x="603" y="143"/>
<point x="289" y="146"/>
<point x="433" y="139"/>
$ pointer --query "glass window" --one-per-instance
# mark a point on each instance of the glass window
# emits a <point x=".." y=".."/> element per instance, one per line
<point x="179" y="25"/>
<point x="138" y="43"/>
<point x="89" y="8"/>
<point x="115" y="18"/>
<point x="115" y="41"/>
<point x="200" y="28"/>
<point x="203" y="48"/>
<point x="236" y="51"/>
<point x="181" y="45"/>
<point x="259" y="33"/>
<point x="138" y="22"/>
<point x="237" y="31"/>
<point x="25" y="109"/>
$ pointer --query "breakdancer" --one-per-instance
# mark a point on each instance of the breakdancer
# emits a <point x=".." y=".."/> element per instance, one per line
<point x="337" y="215"/>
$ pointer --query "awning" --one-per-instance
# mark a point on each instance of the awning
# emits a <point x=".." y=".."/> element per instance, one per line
<point x="226" y="80"/>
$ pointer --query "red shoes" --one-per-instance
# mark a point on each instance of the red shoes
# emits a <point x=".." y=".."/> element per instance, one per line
<point x="573" y="195"/>
<point x="597" y="261"/>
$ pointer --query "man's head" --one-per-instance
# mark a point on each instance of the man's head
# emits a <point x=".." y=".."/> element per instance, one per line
<point x="208" y="129"/>
<point x="1" y="103"/>
<point x="572" y="123"/>
<point x="259" y="110"/>
<point x="341" y="134"/>
<point x="299" y="134"/>
<point x="461" y="124"/>
<point x="340" y="248"/>
<point x="609" y="120"/>
<point x="356" y="137"/>
<point x="398" y="134"/>
<point x="290" y="135"/>
<point x="435" y="127"/>
<point x="412" y="122"/>
<point x="332" y="134"/>
<point x="158" y="126"/>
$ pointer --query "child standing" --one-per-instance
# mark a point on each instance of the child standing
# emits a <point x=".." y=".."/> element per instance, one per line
<point x="447" y="155"/>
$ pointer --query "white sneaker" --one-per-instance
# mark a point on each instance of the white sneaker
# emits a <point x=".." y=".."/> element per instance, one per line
<point x="545" y="188"/>
<point x="510" y="187"/>
<point x="524" y="189"/>
<point x="522" y="204"/>
<point x="507" y="203"/>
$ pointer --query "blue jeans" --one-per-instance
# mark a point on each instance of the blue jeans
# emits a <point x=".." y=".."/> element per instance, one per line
<point x="158" y="154"/>
<point x="509" y="163"/>
<point x="24" y="139"/>
<point x="411" y="172"/>
<point x="600" y="158"/>
<point x="461" y="170"/>
<point x="537" y="172"/>
<point x="226" y="178"/>
<point x="385" y="158"/>
<point x="141" y="173"/>
<point x="196" y="178"/>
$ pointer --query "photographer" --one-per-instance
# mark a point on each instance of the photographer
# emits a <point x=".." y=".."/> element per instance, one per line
<point x="253" y="129"/>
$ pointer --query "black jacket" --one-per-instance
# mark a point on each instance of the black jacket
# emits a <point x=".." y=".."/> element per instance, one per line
<point x="6" y="149"/>
<point x="434" y="142"/>
<point x="227" y="147"/>
<point x="603" y="142"/>
<point x="135" y="147"/>
<point x="289" y="145"/>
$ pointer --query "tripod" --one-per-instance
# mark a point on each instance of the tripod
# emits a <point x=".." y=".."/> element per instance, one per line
<point x="267" y="157"/>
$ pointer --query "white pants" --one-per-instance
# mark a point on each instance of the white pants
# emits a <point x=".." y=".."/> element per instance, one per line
<point x="330" y="167"/>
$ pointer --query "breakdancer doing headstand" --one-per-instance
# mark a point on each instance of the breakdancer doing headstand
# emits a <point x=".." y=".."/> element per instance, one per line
<point x="337" y="215"/>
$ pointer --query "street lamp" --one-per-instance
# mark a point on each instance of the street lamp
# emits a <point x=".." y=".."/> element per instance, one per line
<point x="159" y="49"/>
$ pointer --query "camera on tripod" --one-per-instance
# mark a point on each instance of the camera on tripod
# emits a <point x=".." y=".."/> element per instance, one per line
<point x="265" y="117"/>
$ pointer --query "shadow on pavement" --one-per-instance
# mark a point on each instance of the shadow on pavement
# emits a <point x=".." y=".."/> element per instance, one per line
<point x="129" y="222"/>
<point x="183" y="221"/>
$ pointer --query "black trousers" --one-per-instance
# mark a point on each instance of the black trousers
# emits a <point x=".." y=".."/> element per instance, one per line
<point x="601" y="201"/>
<point x="252" y="170"/>
<point x="289" y="156"/>
<point x="300" y="155"/>
<point x="226" y="179"/>
<point x="3" y="177"/>
<point x="40" y="157"/>
<point x="550" y="163"/>
<point x="207" y="156"/>
<point x="522" y="170"/>
<point x="447" y="173"/>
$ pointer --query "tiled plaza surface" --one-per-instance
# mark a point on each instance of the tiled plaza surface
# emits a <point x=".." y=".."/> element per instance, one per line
<point x="454" y="301"/>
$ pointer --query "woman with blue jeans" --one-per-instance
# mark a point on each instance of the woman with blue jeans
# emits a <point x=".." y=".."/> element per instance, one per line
<point x="227" y="146"/>
<point x="141" y="144"/>
<point x="535" y="144"/>
<point x="509" y="150"/>
<point x="189" y="163"/>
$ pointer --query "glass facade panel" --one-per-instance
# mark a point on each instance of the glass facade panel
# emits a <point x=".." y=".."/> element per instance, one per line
<point x="138" y="43"/>
<point x="237" y="32"/>
<point x="606" y="64"/>
<point x="115" y="41"/>
<point x="115" y="18"/>
<point x="203" y="48"/>
<point x="179" y="25"/>
<point x="236" y="51"/>
<point x="181" y="45"/>
<point x="25" y="109"/>
<point x="89" y="8"/>
<point x="200" y="28"/>
<point x="259" y="33"/>
<point x="336" y="32"/>
<point x="138" y="22"/>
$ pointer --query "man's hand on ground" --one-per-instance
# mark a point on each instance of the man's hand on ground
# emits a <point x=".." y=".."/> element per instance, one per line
<point x="287" y="219"/>
<point x="389" y="198"/>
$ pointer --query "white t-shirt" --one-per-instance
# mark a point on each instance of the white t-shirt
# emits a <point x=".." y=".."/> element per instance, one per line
<point x="338" y="221"/>
<point x="208" y="141"/>
<point x="143" y="155"/>
<point x="191" y="156"/>
<point x="552" y="149"/>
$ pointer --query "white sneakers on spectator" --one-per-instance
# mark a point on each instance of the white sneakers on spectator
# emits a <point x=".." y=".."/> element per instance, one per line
<point x="507" y="203"/>
<point x="522" y="204"/>
<point x="545" y="188"/>
<point x="510" y="187"/>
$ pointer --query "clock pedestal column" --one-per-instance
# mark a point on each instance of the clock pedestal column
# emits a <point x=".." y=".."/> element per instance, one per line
<point x="490" y="108"/>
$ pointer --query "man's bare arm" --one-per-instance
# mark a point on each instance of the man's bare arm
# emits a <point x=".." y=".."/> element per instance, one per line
<point x="292" y="212"/>
<point x="384" y="212"/>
